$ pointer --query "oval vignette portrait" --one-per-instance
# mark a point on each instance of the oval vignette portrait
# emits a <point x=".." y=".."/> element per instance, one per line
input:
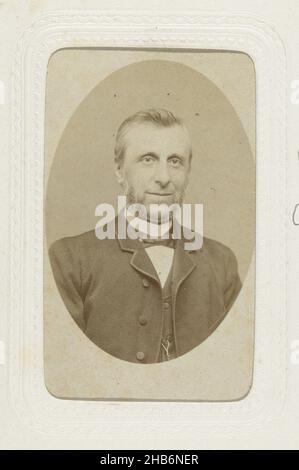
<point x="149" y="224"/>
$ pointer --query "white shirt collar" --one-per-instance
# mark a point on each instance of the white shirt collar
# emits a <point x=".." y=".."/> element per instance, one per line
<point x="148" y="229"/>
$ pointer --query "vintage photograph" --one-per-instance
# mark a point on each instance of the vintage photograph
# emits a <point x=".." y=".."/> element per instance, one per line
<point x="153" y="161"/>
<point x="150" y="221"/>
<point x="150" y="224"/>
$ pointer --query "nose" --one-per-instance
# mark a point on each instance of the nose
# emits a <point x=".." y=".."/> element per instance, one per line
<point x="162" y="175"/>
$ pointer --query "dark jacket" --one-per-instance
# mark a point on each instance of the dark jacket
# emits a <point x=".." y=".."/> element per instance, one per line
<point x="108" y="286"/>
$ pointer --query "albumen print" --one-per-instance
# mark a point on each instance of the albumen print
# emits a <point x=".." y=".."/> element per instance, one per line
<point x="150" y="223"/>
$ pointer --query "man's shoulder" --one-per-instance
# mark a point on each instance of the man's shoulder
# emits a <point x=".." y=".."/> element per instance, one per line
<point x="216" y="253"/>
<point x="209" y="246"/>
<point x="85" y="242"/>
<point x="216" y="248"/>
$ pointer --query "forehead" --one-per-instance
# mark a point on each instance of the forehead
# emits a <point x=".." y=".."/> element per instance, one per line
<point x="147" y="137"/>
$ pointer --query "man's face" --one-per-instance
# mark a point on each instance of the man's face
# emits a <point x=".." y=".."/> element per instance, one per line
<point x="156" y="164"/>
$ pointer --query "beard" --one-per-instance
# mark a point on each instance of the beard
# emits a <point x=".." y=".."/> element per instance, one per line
<point x="157" y="216"/>
<point x="132" y="197"/>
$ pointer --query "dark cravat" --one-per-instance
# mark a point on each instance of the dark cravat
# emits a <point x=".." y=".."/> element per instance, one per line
<point x="170" y="243"/>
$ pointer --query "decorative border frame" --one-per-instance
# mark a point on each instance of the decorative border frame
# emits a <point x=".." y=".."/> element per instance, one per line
<point x="27" y="391"/>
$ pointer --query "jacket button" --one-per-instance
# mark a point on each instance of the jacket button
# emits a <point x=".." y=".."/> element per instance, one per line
<point x="166" y="305"/>
<point x="142" y="320"/>
<point x="140" y="355"/>
<point x="145" y="283"/>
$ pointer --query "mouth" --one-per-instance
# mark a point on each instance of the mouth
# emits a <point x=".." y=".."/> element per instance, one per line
<point x="159" y="194"/>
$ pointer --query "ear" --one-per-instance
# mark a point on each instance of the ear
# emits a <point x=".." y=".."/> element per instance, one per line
<point x="119" y="172"/>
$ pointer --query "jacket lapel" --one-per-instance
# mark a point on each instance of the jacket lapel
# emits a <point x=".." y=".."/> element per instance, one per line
<point x="183" y="266"/>
<point x="140" y="260"/>
<point x="183" y="263"/>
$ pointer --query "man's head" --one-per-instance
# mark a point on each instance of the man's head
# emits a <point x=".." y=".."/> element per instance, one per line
<point x="153" y="157"/>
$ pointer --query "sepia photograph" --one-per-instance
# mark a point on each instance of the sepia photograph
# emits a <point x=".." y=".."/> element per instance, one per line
<point x="150" y="224"/>
<point x="150" y="216"/>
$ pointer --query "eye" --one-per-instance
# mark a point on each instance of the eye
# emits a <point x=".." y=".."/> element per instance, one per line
<point x="147" y="159"/>
<point x="175" y="162"/>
